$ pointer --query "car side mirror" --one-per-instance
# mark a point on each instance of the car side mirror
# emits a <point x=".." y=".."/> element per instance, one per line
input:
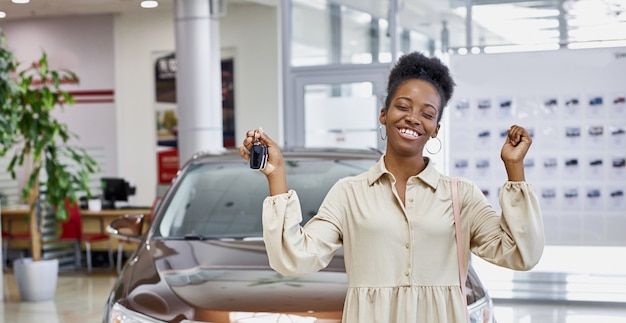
<point x="128" y="227"/>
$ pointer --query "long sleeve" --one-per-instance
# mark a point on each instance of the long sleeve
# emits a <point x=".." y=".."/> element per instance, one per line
<point x="516" y="238"/>
<point x="292" y="249"/>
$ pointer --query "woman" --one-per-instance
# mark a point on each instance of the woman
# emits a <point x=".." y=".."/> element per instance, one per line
<point x="396" y="220"/>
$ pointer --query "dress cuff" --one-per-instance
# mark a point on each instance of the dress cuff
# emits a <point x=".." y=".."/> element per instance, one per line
<point x="278" y="198"/>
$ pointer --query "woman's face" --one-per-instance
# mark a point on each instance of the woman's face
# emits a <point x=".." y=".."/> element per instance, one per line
<point x="411" y="118"/>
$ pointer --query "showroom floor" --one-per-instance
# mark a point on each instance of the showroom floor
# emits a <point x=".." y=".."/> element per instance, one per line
<point x="80" y="298"/>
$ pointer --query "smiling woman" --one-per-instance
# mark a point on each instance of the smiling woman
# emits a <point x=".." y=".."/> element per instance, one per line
<point x="389" y="217"/>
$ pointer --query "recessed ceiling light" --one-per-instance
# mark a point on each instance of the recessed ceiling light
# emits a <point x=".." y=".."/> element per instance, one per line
<point x="2" y="14"/>
<point x="149" y="4"/>
<point x="20" y="1"/>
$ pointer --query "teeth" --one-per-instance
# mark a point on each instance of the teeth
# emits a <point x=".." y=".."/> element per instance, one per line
<point x="409" y="132"/>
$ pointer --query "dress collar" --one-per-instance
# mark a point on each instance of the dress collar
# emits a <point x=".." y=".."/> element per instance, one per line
<point x="429" y="175"/>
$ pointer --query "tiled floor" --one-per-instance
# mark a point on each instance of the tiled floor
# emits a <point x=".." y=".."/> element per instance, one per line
<point x="80" y="298"/>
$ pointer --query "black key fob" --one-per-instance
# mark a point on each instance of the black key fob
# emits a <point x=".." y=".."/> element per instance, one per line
<point x="258" y="156"/>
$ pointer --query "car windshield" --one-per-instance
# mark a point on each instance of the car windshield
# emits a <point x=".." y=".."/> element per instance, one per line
<point x="224" y="200"/>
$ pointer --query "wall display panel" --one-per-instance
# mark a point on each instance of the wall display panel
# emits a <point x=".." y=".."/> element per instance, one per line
<point x="573" y="104"/>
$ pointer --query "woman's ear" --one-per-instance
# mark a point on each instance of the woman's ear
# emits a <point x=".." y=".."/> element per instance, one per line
<point x="382" y="118"/>
<point x="436" y="130"/>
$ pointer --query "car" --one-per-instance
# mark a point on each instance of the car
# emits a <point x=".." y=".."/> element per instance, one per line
<point x="483" y="163"/>
<point x="550" y="102"/>
<point x="529" y="162"/>
<point x="461" y="163"/>
<point x="571" y="193"/>
<point x="549" y="163"/>
<point x="484" y="104"/>
<point x="548" y="193"/>
<point x="572" y="132"/>
<point x="617" y="132"/>
<point x="484" y="134"/>
<point x="462" y="105"/>
<point x="595" y="162"/>
<point x="595" y="101"/>
<point x="506" y="104"/>
<point x="596" y="130"/>
<point x="203" y="259"/>
<point x="594" y="193"/>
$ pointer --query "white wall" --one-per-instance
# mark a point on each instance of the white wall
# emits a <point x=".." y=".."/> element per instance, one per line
<point x="137" y="36"/>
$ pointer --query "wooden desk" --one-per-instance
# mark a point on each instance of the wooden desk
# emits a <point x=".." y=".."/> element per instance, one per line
<point x="92" y="222"/>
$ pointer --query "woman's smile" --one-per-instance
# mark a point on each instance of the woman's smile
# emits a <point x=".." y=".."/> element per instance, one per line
<point x="410" y="134"/>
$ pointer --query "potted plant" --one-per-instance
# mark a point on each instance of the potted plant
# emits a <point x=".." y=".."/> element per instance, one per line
<point x="40" y="145"/>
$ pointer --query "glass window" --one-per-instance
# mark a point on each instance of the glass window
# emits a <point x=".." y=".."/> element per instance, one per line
<point x="325" y="33"/>
<point x="341" y="115"/>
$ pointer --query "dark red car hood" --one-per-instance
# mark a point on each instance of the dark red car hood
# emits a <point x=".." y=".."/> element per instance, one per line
<point x="207" y="280"/>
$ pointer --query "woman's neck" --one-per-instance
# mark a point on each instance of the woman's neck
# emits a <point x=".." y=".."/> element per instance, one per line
<point x="404" y="167"/>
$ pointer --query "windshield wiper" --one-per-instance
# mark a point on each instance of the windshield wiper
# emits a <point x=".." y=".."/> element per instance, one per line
<point x="187" y="237"/>
<point x="199" y="237"/>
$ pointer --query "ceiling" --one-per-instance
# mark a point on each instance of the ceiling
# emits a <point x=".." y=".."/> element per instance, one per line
<point x="494" y="22"/>
<point x="44" y="8"/>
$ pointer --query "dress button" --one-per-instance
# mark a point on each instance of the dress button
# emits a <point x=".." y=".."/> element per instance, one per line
<point x="407" y="246"/>
<point x="407" y="273"/>
<point x="411" y="199"/>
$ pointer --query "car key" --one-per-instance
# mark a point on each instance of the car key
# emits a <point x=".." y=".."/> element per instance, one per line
<point x="258" y="156"/>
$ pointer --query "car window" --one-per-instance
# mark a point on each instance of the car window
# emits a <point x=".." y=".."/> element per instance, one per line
<point x="224" y="200"/>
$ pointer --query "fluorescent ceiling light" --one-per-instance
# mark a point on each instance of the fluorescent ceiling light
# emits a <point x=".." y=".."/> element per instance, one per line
<point x="506" y="12"/>
<point x="148" y="4"/>
<point x="597" y="44"/>
<point x="519" y="48"/>
<point x="20" y="1"/>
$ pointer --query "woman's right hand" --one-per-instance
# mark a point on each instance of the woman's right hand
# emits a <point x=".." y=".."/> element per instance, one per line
<point x="274" y="155"/>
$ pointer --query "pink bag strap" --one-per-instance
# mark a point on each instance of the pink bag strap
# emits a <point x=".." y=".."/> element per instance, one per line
<point x="457" y="229"/>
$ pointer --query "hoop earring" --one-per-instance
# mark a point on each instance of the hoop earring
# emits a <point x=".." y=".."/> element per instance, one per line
<point x="438" y="150"/>
<point x="380" y="132"/>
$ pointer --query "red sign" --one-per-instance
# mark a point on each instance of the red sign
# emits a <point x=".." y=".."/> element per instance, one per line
<point x="167" y="165"/>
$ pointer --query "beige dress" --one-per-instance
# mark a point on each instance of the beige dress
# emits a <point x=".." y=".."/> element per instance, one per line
<point x="401" y="260"/>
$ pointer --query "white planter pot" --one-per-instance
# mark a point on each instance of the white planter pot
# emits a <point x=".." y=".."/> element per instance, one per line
<point x="36" y="281"/>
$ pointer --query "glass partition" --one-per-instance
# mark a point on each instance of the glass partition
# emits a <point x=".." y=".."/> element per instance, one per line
<point x="327" y="33"/>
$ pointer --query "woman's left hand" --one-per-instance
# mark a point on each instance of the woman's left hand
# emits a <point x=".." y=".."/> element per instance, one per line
<point x="516" y="145"/>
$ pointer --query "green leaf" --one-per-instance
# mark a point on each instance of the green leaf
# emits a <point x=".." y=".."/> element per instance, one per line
<point x="28" y="125"/>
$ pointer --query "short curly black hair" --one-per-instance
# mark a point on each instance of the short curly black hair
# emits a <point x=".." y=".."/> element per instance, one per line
<point x="416" y="65"/>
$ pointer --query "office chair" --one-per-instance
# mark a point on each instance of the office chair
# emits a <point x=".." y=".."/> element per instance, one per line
<point x="6" y="240"/>
<point x="72" y="231"/>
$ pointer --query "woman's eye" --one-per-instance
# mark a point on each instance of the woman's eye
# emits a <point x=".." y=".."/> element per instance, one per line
<point x="401" y="107"/>
<point x="429" y="116"/>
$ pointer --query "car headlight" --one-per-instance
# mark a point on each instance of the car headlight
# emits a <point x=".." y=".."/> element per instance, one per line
<point x="120" y="314"/>
<point x="481" y="311"/>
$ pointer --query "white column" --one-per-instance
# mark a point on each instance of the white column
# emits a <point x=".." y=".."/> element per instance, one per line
<point x="198" y="79"/>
